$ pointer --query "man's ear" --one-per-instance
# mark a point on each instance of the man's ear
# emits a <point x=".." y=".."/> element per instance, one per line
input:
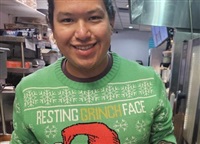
<point x="112" y="21"/>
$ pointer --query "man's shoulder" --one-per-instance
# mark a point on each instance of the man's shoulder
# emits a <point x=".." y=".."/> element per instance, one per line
<point x="42" y="75"/>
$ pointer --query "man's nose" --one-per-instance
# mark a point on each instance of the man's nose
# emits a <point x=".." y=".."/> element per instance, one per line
<point x="82" y="31"/>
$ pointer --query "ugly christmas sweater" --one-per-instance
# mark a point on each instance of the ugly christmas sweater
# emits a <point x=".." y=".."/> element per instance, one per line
<point x="126" y="106"/>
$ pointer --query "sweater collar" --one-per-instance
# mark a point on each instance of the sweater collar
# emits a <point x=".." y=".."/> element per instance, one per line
<point x="98" y="83"/>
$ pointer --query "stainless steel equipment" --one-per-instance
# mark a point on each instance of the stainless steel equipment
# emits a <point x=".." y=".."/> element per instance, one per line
<point x="3" y="59"/>
<point x="171" y="13"/>
<point x="182" y="44"/>
<point x="3" y="76"/>
<point x="6" y="96"/>
<point x="191" y="130"/>
<point x="6" y="105"/>
<point x="183" y="16"/>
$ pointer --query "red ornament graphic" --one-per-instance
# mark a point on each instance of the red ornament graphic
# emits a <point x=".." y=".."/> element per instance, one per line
<point x="98" y="133"/>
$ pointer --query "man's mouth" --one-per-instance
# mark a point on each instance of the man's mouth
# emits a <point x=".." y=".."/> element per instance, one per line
<point x="84" y="47"/>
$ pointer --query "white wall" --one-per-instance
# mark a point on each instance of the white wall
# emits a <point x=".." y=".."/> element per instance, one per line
<point x="132" y="45"/>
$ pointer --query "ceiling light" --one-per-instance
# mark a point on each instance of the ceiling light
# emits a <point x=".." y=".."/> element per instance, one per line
<point x="130" y="27"/>
<point x="127" y="5"/>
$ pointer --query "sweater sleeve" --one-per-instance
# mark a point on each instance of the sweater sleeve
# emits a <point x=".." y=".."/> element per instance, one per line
<point x="21" y="134"/>
<point x="162" y="130"/>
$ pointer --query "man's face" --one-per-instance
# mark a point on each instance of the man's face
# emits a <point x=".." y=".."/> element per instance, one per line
<point x="82" y="31"/>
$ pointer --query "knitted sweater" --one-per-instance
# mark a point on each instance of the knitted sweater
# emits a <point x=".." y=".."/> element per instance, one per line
<point x="127" y="106"/>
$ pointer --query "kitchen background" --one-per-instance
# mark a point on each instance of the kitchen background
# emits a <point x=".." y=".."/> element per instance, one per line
<point x="176" y="58"/>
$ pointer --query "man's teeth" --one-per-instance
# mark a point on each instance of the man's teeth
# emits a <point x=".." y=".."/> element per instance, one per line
<point x="84" y="47"/>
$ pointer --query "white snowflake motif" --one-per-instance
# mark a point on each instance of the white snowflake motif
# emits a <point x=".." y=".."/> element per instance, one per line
<point x="160" y="105"/>
<point x="89" y="96"/>
<point x="66" y="96"/>
<point x="44" y="142"/>
<point x="15" y="125"/>
<point x="145" y="88"/>
<point x="157" y="127"/>
<point x="131" y="140"/>
<point x="47" y="97"/>
<point x="30" y="98"/>
<point x="29" y="142"/>
<point x="140" y="126"/>
<point x="152" y="113"/>
<point x="24" y="127"/>
<point x="50" y="131"/>
<point x="123" y="125"/>
<point x="110" y="93"/>
<point x="17" y="106"/>
<point x="162" y="116"/>
<point x="129" y="90"/>
<point x="15" y="136"/>
<point x="164" y="93"/>
<point x="145" y="137"/>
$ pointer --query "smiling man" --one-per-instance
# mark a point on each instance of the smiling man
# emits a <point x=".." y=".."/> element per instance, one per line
<point x="90" y="95"/>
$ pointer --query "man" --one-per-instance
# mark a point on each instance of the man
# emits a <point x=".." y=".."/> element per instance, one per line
<point x="90" y="95"/>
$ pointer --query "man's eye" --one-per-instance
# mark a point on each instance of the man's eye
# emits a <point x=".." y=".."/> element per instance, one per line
<point x="95" y="18"/>
<point x="67" y="20"/>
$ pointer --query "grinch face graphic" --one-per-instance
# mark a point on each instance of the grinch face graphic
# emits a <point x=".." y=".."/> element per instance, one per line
<point x="97" y="133"/>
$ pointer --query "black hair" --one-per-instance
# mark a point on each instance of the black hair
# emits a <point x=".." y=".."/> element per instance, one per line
<point x="108" y="4"/>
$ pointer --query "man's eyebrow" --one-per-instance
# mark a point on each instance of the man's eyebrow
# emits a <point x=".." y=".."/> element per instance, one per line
<point x="97" y="10"/>
<point x="60" y="14"/>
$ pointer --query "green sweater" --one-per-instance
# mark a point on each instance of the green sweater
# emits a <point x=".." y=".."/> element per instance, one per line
<point x="127" y="106"/>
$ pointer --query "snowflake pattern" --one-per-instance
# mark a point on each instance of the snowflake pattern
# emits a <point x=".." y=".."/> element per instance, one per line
<point x="110" y="93"/>
<point x="122" y="125"/>
<point x="15" y="125"/>
<point x="16" y="139"/>
<point x="15" y="136"/>
<point x="24" y="127"/>
<point x="30" y="98"/>
<point x="145" y="88"/>
<point x="162" y="116"/>
<point x="152" y="113"/>
<point x="50" y="131"/>
<point x="45" y="142"/>
<point x="113" y="93"/>
<point x="17" y="106"/>
<point x="29" y="142"/>
<point x="140" y="126"/>
<point x="66" y="96"/>
<point x="129" y="91"/>
<point x="47" y="97"/>
<point x="160" y="105"/>
<point x="157" y="127"/>
<point x="164" y="93"/>
<point x="88" y="96"/>
<point x="145" y="137"/>
<point x="131" y="140"/>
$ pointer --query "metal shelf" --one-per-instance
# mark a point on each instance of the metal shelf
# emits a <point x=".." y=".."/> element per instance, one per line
<point x="21" y="40"/>
<point x="19" y="9"/>
<point x="23" y="70"/>
<point x="18" y="39"/>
